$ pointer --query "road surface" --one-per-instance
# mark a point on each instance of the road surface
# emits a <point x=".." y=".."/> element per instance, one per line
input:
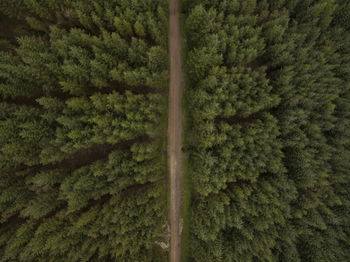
<point x="175" y="129"/>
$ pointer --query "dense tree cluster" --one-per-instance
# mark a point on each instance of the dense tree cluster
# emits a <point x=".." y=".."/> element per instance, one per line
<point x="82" y="103"/>
<point x="268" y="102"/>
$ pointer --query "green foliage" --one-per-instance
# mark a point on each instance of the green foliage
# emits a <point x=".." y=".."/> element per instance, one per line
<point x="81" y="140"/>
<point x="268" y="84"/>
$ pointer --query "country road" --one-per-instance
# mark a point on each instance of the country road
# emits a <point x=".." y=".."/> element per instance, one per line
<point x="175" y="130"/>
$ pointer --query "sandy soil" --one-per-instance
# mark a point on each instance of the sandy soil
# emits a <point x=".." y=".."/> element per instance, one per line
<point x="175" y="128"/>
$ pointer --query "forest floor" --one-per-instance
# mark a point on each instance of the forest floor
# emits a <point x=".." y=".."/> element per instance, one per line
<point x="175" y="130"/>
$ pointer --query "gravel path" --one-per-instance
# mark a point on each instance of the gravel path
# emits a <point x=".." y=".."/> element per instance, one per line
<point x="175" y="129"/>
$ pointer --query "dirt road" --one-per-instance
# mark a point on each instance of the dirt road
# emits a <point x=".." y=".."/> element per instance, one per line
<point x="175" y="130"/>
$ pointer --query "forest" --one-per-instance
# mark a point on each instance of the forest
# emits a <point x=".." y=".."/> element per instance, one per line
<point x="83" y="130"/>
<point x="83" y="98"/>
<point x="268" y="105"/>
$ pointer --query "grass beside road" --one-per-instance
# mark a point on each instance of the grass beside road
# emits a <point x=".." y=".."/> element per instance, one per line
<point x="187" y="181"/>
